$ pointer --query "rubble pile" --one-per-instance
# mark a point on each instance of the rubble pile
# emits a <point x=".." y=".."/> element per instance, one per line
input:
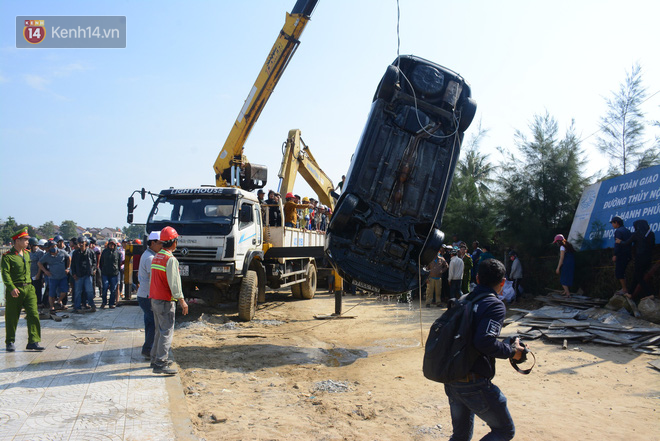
<point x="584" y="322"/>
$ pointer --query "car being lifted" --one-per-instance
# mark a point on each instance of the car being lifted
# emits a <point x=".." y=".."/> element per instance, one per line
<point x="386" y="224"/>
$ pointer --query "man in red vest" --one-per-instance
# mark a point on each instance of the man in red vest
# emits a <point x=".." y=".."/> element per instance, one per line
<point x="164" y="292"/>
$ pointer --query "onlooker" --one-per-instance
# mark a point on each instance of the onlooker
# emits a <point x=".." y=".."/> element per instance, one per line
<point x="15" y="268"/>
<point x="516" y="273"/>
<point x="476" y="394"/>
<point x="164" y="292"/>
<point x="83" y="264"/>
<point x="467" y="268"/>
<point x="36" y="274"/>
<point x="455" y="241"/>
<point x="644" y="240"/>
<point x="58" y="262"/>
<point x="476" y="253"/>
<point x="622" y="252"/>
<point x="455" y="273"/>
<point x="485" y="253"/>
<point x="144" y="277"/>
<point x="434" y="282"/>
<point x="274" y="214"/>
<point x="98" y="281"/>
<point x="110" y="264"/>
<point x="291" y="210"/>
<point x="566" y="265"/>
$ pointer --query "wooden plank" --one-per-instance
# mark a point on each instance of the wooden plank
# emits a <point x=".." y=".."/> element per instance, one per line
<point x="611" y="336"/>
<point x="575" y="324"/>
<point x="606" y="342"/>
<point x="565" y="333"/>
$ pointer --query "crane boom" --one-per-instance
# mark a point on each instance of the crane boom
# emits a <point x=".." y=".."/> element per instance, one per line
<point x="231" y="167"/>
<point x="300" y="160"/>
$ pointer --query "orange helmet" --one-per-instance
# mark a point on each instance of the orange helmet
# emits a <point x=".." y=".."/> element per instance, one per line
<point x="289" y="196"/>
<point x="167" y="234"/>
<point x="137" y="242"/>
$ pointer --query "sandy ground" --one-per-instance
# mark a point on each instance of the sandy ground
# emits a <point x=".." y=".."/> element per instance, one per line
<point x="288" y="376"/>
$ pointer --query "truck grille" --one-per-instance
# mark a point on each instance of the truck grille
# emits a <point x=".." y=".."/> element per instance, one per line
<point x="187" y="253"/>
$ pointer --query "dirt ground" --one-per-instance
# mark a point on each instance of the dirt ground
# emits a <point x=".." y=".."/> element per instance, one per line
<point x="289" y="376"/>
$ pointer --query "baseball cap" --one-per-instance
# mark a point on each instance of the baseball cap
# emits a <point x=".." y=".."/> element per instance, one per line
<point x="559" y="238"/>
<point x="616" y="219"/>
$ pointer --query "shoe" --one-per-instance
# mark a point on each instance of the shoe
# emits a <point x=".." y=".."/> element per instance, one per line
<point x="34" y="347"/>
<point x="167" y="370"/>
<point x="11" y="347"/>
<point x="147" y="355"/>
<point x="87" y="307"/>
<point x="78" y="311"/>
<point x="93" y="309"/>
<point x="103" y="306"/>
<point x="111" y="306"/>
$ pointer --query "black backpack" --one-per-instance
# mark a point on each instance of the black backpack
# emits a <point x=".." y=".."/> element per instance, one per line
<point x="449" y="354"/>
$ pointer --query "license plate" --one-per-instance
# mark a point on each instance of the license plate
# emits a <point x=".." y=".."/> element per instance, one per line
<point x="366" y="286"/>
<point x="184" y="270"/>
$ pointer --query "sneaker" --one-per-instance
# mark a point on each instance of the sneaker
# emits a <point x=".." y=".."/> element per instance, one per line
<point x="11" y="347"/>
<point x="78" y="311"/>
<point x="166" y="369"/>
<point x="147" y="355"/>
<point x="34" y="347"/>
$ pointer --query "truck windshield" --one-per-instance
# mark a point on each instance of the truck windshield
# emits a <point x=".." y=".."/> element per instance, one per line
<point x="193" y="216"/>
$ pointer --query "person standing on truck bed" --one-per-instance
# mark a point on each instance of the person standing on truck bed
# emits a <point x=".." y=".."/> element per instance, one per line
<point x="274" y="215"/>
<point x="290" y="213"/>
<point x="164" y="292"/>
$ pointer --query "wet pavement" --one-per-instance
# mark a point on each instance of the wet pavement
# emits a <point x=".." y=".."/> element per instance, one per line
<point x="91" y="383"/>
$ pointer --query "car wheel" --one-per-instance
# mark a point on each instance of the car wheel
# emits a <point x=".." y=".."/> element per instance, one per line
<point x="387" y="84"/>
<point x="308" y="287"/>
<point x="432" y="247"/>
<point x="343" y="213"/>
<point x="247" y="297"/>
<point x="468" y="110"/>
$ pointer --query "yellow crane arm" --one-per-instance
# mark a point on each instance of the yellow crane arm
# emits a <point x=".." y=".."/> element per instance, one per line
<point x="230" y="166"/>
<point x="300" y="160"/>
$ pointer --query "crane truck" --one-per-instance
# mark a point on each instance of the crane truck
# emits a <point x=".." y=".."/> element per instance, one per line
<point x="225" y="250"/>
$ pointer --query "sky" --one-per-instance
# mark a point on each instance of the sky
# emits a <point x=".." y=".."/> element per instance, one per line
<point x="81" y="129"/>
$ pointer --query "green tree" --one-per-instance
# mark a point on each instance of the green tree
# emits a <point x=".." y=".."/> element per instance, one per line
<point x="135" y="231"/>
<point x="541" y="185"/>
<point x="48" y="229"/>
<point x="469" y="212"/>
<point x="623" y="126"/>
<point x="68" y="229"/>
<point x="8" y="230"/>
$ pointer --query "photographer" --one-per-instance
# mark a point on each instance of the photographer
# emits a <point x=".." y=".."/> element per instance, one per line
<point x="476" y="394"/>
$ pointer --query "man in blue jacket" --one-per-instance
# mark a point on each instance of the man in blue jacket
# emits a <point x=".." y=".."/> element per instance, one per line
<point x="476" y="394"/>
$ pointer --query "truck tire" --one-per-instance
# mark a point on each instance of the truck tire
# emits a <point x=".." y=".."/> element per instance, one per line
<point x="247" y="297"/>
<point x="308" y="287"/>
<point x="296" y="291"/>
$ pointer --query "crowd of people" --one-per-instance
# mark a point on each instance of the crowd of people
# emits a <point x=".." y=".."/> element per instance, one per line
<point x="60" y="267"/>
<point x="307" y="213"/>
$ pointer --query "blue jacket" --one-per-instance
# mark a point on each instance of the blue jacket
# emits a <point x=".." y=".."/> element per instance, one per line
<point x="487" y="319"/>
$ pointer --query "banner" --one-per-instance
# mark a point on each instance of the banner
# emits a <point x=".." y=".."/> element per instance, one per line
<point x="631" y="196"/>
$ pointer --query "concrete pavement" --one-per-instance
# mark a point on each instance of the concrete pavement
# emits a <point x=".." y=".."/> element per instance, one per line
<point x="91" y="383"/>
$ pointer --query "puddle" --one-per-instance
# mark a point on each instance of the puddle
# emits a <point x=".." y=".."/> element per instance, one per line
<point x="390" y="344"/>
<point x="340" y="356"/>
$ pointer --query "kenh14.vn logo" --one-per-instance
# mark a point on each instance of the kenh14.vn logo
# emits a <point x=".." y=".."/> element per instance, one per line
<point x="34" y="31"/>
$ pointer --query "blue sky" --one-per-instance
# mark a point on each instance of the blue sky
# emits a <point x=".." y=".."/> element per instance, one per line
<point x="80" y="129"/>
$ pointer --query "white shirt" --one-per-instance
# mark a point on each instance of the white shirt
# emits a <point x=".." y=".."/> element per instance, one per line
<point x="456" y="266"/>
<point x="144" y="272"/>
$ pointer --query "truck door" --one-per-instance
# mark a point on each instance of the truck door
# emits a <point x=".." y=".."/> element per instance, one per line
<point x="247" y="232"/>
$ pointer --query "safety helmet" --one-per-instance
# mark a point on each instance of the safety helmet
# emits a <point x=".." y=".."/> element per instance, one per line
<point x="112" y="240"/>
<point x="42" y="242"/>
<point x="33" y="241"/>
<point x="58" y="238"/>
<point x="289" y="195"/>
<point x="167" y="234"/>
<point x="305" y="199"/>
<point x="137" y="242"/>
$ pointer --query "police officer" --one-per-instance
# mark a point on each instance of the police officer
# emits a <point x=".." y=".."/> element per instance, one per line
<point x="15" y="267"/>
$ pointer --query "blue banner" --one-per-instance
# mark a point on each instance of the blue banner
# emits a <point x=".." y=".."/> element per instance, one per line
<point x="631" y="196"/>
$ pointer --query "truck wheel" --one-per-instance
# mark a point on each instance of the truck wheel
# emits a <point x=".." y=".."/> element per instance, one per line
<point x="468" y="109"/>
<point x="308" y="287"/>
<point x="296" y="291"/>
<point x="387" y="84"/>
<point x="344" y="212"/>
<point x="247" y="297"/>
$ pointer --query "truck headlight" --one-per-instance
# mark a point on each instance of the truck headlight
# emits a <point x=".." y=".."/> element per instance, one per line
<point x="220" y="269"/>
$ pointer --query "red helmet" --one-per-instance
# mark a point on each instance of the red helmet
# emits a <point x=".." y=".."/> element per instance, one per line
<point x="137" y="242"/>
<point x="167" y="234"/>
<point x="289" y="195"/>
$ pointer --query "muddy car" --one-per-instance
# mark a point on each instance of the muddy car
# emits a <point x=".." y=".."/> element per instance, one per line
<point x="386" y="224"/>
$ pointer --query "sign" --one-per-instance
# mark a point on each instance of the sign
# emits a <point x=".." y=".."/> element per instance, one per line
<point x="631" y="196"/>
<point x="70" y="31"/>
